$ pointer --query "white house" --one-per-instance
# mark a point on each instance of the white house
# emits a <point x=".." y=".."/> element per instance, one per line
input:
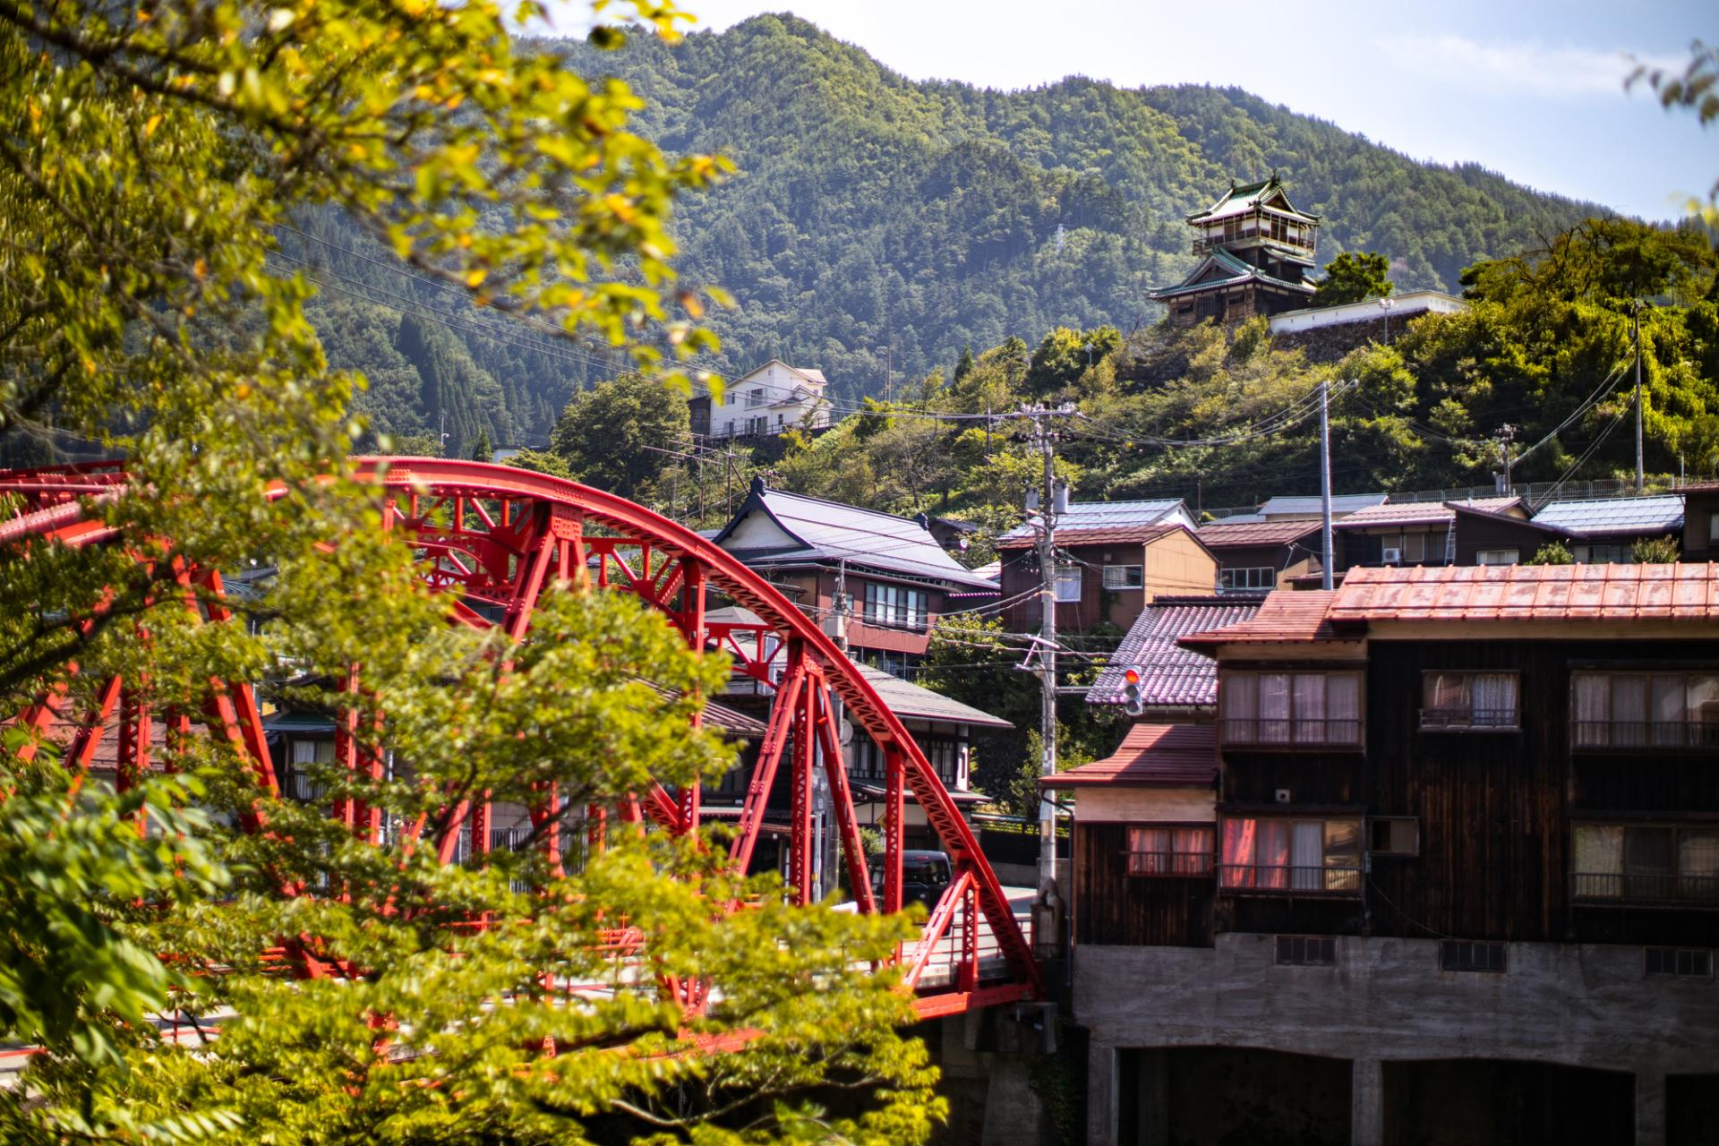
<point x="768" y="400"/>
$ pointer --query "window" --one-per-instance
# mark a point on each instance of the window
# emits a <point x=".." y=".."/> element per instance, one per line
<point x="1679" y="962"/>
<point x="754" y="398"/>
<point x="1169" y="851"/>
<point x="1713" y="527"/>
<point x="1292" y="708"/>
<point x="1466" y="701"/>
<point x="1306" y="951"/>
<point x="1457" y="955"/>
<point x="1646" y="863"/>
<point x="1292" y="855"/>
<point x="1498" y="557"/>
<point x="306" y="754"/>
<point x="1124" y="577"/>
<point x="1602" y="555"/>
<point x="1639" y="709"/>
<point x="1067" y="584"/>
<point x="1261" y="577"/>
<point x="895" y="605"/>
<point x="945" y="757"/>
<point x="1395" y="836"/>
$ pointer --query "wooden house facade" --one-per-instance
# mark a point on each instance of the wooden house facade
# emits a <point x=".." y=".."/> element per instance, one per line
<point x="1457" y="816"/>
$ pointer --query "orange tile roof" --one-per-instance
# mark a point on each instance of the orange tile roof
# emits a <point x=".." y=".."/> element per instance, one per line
<point x="1528" y="593"/>
<point x="1151" y="756"/>
<point x="1287" y="616"/>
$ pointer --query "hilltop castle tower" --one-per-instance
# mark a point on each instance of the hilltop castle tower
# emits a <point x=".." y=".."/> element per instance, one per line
<point x="1258" y="249"/>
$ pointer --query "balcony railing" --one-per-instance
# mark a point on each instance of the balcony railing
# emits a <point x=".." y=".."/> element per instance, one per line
<point x="1327" y="879"/>
<point x="1470" y="720"/>
<point x="1604" y="734"/>
<point x="1271" y="733"/>
<point x="1208" y="243"/>
<point x="1647" y="888"/>
<point x="1170" y="863"/>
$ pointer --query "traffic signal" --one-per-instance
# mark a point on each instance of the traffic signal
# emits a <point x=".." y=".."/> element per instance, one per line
<point x="1131" y="701"/>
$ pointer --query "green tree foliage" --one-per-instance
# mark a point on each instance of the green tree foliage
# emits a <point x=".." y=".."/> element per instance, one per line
<point x="1552" y="553"/>
<point x="148" y="163"/>
<point x="610" y="436"/>
<point x="884" y="222"/>
<point x="481" y="451"/>
<point x="1353" y="276"/>
<point x="1656" y="551"/>
<point x="1065" y="355"/>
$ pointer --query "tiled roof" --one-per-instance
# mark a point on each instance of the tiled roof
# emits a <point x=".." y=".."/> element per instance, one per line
<point x="1421" y="512"/>
<point x="1101" y="534"/>
<point x="1530" y="593"/>
<point x="1244" y="197"/>
<point x="1616" y="515"/>
<point x="1107" y="515"/>
<point x="831" y="531"/>
<point x="734" y="722"/>
<point x="1151" y="756"/>
<point x="1288" y="616"/>
<point x="1227" y="534"/>
<point x="905" y="699"/>
<point x="1171" y="676"/>
<point x="1342" y="505"/>
<point x="1232" y="271"/>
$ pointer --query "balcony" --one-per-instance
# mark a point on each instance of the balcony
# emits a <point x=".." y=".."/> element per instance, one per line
<point x="1259" y="732"/>
<point x="1470" y="720"/>
<point x="1326" y="879"/>
<point x="1623" y="735"/>
<point x="1208" y="243"/>
<point x="1646" y="889"/>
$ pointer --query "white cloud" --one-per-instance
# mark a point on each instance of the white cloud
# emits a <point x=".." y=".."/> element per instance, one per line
<point x="1534" y="68"/>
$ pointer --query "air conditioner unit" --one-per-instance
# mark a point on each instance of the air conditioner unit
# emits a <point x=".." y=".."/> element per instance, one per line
<point x="1392" y="557"/>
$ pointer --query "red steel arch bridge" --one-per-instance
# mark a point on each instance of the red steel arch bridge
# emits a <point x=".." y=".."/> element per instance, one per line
<point x="499" y="538"/>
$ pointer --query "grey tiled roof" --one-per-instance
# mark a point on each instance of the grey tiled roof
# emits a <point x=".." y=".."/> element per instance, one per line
<point x="1170" y="675"/>
<point x="1340" y="504"/>
<point x="1616" y="515"/>
<point x="1108" y="515"/>
<point x="905" y="699"/>
<point x="831" y="531"/>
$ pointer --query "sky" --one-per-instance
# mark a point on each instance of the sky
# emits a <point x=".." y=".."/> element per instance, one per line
<point x="1529" y="88"/>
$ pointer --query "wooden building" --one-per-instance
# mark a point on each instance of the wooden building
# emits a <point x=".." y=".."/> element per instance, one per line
<point x="1254" y="556"/>
<point x="1114" y="558"/>
<point x="1459" y="837"/>
<point x="1255" y="251"/>
<point x="876" y="579"/>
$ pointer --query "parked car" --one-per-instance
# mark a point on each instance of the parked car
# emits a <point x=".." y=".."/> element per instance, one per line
<point x="925" y="875"/>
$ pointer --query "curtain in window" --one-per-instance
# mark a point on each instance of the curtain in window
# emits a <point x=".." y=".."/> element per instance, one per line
<point x="1273" y="708"/>
<point x="1193" y="848"/>
<point x="1599" y="860"/>
<point x="1667" y="696"/>
<point x="1307" y="855"/>
<point x="1146" y="848"/>
<point x="1629" y="709"/>
<point x="1494" y="700"/>
<point x="1698" y="864"/>
<point x="1703" y="708"/>
<point x="1241" y="701"/>
<point x="1309" y="702"/>
<point x="1343" y="707"/>
<point x="1239" y="838"/>
<point x="1593" y="709"/>
<point x="1272" y="853"/>
<point x="309" y="752"/>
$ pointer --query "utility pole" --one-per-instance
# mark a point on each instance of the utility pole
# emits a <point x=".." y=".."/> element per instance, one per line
<point x="1046" y="653"/>
<point x="1325" y="481"/>
<point x="889" y="373"/>
<point x="1506" y="438"/>
<point x="1635" y="311"/>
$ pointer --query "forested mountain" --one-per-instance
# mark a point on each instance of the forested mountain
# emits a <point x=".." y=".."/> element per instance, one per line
<point x="878" y="224"/>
